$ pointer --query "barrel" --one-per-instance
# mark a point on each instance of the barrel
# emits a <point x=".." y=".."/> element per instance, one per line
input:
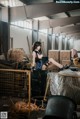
<point x="60" y="107"/>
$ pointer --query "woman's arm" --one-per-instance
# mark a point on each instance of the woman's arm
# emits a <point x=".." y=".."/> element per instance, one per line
<point x="33" y="59"/>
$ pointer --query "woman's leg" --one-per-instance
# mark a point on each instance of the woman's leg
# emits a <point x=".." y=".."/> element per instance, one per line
<point x="51" y="60"/>
<point x="55" y="63"/>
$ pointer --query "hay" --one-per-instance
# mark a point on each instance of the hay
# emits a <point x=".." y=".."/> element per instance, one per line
<point x="21" y="106"/>
<point x="16" y="54"/>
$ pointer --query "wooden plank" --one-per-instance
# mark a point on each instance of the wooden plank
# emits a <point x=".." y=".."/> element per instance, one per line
<point x="15" y="70"/>
<point x="66" y="29"/>
<point x="73" y="33"/>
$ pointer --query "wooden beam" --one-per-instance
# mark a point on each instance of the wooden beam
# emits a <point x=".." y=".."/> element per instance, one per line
<point x="46" y="9"/>
<point x="58" y="22"/>
<point x="35" y="1"/>
<point x="74" y="34"/>
<point x="17" y="14"/>
<point x="66" y="29"/>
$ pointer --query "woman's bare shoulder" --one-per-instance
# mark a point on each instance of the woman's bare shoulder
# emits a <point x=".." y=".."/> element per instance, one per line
<point x="34" y="53"/>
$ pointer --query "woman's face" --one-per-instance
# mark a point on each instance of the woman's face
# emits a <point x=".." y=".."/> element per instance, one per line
<point x="38" y="48"/>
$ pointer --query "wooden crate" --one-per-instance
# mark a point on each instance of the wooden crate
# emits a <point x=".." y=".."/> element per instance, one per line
<point x="65" y="55"/>
<point x="65" y="62"/>
<point x="55" y="54"/>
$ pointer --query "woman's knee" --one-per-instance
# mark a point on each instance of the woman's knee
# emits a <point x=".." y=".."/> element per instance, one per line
<point x="51" y="60"/>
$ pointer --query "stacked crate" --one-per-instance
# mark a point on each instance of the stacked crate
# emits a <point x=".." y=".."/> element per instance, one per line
<point x="65" y="56"/>
<point x="55" y="54"/>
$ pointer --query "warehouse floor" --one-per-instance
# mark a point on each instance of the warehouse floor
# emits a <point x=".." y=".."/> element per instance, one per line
<point x="7" y="105"/>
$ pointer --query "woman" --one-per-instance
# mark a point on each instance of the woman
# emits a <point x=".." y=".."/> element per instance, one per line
<point x="37" y="62"/>
<point x="37" y="56"/>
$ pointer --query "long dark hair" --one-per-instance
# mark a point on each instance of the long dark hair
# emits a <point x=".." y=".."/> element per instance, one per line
<point x="36" y="44"/>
